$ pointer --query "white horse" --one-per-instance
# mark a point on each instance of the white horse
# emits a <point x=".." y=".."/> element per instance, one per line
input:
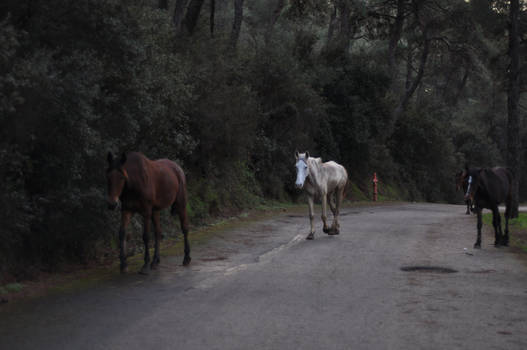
<point x="325" y="180"/>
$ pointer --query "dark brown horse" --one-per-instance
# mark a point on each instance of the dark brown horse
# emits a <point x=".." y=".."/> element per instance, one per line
<point x="144" y="186"/>
<point x="462" y="183"/>
<point x="488" y="188"/>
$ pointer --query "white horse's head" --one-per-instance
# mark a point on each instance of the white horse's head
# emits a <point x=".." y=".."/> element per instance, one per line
<point x="302" y="170"/>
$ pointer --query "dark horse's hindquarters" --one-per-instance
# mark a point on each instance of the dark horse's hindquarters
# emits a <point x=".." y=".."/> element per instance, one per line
<point x="144" y="186"/>
<point x="488" y="188"/>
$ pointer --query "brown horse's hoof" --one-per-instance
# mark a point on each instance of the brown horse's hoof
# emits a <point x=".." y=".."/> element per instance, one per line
<point x="333" y="232"/>
<point x="326" y="230"/>
<point x="310" y="236"/>
<point x="145" y="270"/>
<point x="124" y="269"/>
<point x="477" y="245"/>
<point x="186" y="260"/>
<point x="155" y="263"/>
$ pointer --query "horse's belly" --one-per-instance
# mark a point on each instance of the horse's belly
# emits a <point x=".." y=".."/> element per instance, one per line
<point x="164" y="202"/>
<point x="131" y="205"/>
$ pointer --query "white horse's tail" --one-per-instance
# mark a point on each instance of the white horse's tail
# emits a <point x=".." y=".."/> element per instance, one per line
<point x="346" y="188"/>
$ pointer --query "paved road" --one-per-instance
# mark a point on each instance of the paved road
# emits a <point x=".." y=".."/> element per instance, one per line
<point x="262" y="286"/>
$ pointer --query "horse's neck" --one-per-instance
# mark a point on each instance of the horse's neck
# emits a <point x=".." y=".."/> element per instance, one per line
<point x="138" y="179"/>
<point x="316" y="174"/>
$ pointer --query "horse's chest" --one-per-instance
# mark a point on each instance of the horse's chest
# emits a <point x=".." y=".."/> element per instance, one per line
<point x="131" y="202"/>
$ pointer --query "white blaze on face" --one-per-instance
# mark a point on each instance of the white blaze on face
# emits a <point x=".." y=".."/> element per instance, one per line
<point x="301" y="173"/>
<point x="469" y="185"/>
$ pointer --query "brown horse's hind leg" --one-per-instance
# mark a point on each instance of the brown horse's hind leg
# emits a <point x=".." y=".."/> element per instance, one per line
<point x="496" y="222"/>
<point x="157" y="229"/>
<point x="125" y="219"/>
<point x="181" y="210"/>
<point x="480" y="224"/>
<point x="146" y="240"/>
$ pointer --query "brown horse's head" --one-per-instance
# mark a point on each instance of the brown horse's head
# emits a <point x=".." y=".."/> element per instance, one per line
<point x="460" y="179"/>
<point x="116" y="176"/>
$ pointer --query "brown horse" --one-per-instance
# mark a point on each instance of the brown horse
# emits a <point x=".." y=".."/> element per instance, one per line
<point x="144" y="186"/>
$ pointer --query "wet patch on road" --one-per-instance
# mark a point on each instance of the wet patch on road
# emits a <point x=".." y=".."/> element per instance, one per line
<point x="431" y="269"/>
<point x="217" y="258"/>
<point x="482" y="271"/>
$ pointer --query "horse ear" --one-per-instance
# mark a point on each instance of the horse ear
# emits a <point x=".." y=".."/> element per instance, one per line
<point x="123" y="158"/>
<point x="110" y="158"/>
<point x="307" y="154"/>
<point x="296" y="154"/>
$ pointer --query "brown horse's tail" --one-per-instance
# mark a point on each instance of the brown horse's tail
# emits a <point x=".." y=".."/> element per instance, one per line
<point x="179" y="207"/>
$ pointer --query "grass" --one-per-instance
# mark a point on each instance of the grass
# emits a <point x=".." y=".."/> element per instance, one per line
<point x="517" y="229"/>
<point x="11" y="288"/>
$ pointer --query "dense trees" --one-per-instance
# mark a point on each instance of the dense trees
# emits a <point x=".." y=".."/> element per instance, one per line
<point x="411" y="89"/>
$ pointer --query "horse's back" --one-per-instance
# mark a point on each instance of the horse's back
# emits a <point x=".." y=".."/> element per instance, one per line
<point x="337" y="174"/>
<point x="498" y="184"/>
<point x="505" y="176"/>
<point x="155" y="181"/>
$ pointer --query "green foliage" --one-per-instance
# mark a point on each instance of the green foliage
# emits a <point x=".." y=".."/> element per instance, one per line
<point x="427" y="164"/>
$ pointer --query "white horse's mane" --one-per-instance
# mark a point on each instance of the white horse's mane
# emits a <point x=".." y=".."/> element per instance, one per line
<point x="315" y="169"/>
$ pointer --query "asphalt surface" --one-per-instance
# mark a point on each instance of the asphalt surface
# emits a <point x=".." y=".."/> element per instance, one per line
<point x="263" y="286"/>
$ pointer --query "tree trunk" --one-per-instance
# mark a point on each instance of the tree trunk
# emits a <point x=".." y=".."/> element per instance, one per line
<point x="331" y="26"/>
<point x="412" y="87"/>
<point x="237" y="23"/>
<point x="395" y="36"/>
<point x="192" y="16"/>
<point x="409" y="67"/>
<point x="345" y="30"/>
<point x="513" y="126"/>
<point x="179" y="13"/>
<point x="162" y="4"/>
<point x="276" y="15"/>
<point x="461" y="86"/>
<point x="212" y="13"/>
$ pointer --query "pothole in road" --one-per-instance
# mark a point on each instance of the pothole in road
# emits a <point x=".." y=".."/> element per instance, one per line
<point x="432" y="269"/>
<point x="216" y="258"/>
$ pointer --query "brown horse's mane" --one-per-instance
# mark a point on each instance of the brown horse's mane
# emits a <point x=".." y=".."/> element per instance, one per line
<point x="136" y="171"/>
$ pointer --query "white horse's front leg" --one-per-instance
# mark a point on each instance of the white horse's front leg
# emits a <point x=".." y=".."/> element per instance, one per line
<point x="324" y="198"/>
<point x="311" y="204"/>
